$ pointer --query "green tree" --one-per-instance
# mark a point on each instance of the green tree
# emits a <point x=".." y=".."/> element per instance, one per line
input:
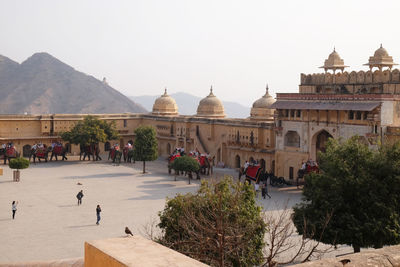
<point x="220" y="225"/>
<point x="146" y="145"/>
<point x="19" y="164"/>
<point x="361" y="187"/>
<point x="91" y="131"/>
<point x="186" y="164"/>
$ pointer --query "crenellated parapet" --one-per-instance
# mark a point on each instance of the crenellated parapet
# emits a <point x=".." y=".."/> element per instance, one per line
<point x="387" y="81"/>
<point x="360" y="77"/>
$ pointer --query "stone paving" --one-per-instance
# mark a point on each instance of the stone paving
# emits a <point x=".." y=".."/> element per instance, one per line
<point x="50" y="225"/>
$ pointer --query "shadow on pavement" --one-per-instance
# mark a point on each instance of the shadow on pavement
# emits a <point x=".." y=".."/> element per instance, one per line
<point x="156" y="185"/>
<point x="8" y="181"/>
<point x="81" y="226"/>
<point x="102" y="175"/>
<point x="161" y="194"/>
<point x="67" y="206"/>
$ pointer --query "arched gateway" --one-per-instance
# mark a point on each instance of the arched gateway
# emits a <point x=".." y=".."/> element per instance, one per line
<point x="319" y="142"/>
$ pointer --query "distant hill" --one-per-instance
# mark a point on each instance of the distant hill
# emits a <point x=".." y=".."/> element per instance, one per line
<point x="187" y="105"/>
<point x="42" y="84"/>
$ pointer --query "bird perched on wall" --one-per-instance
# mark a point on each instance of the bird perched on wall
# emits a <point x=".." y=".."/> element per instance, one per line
<point x="127" y="231"/>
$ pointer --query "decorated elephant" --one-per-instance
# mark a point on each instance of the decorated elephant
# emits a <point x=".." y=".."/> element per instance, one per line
<point x="89" y="150"/>
<point x="171" y="159"/>
<point x="115" y="154"/>
<point x="39" y="151"/>
<point x="206" y="164"/>
<point x="127" y="152"/>
<point x="58" y="150"/>
<point x="9" y="152"/>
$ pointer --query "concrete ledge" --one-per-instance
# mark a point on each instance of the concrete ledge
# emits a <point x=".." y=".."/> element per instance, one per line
<point x="388" y="256"/>
<point x="78" y="262"/>
<point x="134" y="251"/>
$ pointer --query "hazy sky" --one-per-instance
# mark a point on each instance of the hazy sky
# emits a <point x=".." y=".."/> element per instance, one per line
<point x="236" y="46"/>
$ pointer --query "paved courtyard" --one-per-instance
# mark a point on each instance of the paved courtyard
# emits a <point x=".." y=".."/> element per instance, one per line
<point x="50" y="225"/>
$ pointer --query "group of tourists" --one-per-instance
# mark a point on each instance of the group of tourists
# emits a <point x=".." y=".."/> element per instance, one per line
<point x="115" y="147"/>
<point x="7" y="146"/>
<point x="179" y="151"/>
<point x="307" y="167"/>
<point x="39" y="145"/>
<point x="56" y="144"/>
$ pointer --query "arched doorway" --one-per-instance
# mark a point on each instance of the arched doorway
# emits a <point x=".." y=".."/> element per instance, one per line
<point x="237" y="161"/>
<point x="26" y="150"/>
<point x="107" y="146"/>
<point x="68" y="147"/>
<point x="273" y="167"/>
<point x="320" y="144"/>
<point x="262" y="164"/>
<point x="168" y="148"/>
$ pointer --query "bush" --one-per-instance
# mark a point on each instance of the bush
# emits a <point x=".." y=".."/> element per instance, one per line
<point x="19" y="163"/>
<point x="220" y="225"/>
<point x="186" y="164"/>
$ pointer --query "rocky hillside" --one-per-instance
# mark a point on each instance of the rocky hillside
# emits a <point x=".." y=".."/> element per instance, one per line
<point x="43" y="84"/>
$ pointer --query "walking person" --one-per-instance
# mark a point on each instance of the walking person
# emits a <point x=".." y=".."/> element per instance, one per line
<point x="256" y="188"/>
<point x="14" y="208"/>
<point x="79" y="196"/>
<point x="264" y="190"/>
<point x="98" y="210"/>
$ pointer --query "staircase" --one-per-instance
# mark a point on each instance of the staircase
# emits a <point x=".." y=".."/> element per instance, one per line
<point x="200" y="141"/>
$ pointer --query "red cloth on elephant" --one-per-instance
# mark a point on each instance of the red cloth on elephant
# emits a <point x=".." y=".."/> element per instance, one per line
<point x="58" y="150"/>
<point x="11" y="152"/>
<point x="173" y="157"/>
<point x="253" y="172"/>
<point x="202" y="160"/>
<point x="41" y="152"/>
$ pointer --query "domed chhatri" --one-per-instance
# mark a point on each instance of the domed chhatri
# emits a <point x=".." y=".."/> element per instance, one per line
<point x="380" y="59"/>
<point x="334" y="62"/>
<point x="210" y="106"/>
<point x="165" y="105"/>
<point x="261" y="109"/>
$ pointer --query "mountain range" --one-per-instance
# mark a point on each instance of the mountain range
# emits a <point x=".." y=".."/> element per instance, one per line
<point x="43" y="84"/>
<point x="187" y="104"/>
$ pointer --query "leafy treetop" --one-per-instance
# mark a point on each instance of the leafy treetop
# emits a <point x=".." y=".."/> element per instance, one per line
<point x="146" y="145"/>
<point x="220" y="225"/>
<point x="361" y="187"/>
<point x="90" y="131"/>
<point x="185" y="163"/>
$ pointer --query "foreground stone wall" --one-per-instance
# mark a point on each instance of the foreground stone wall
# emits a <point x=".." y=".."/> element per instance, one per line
<point x="388" y="256"/>
<point x="134" y="251"/>
<point x="78" y="262"/>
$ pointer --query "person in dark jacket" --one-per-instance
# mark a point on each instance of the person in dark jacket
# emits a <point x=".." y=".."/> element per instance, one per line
<point x="79" y="196"/>
<point x="264" y="190"/>
<point x="98" y="210"/>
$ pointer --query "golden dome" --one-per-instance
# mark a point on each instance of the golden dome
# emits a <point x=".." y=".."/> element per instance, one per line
<point x="380" y="59"/>
<point x="210" y="106"/>
<point x="261" y="108"/>
<point x="165" y="105"/>
<point x="334" y="62"/>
